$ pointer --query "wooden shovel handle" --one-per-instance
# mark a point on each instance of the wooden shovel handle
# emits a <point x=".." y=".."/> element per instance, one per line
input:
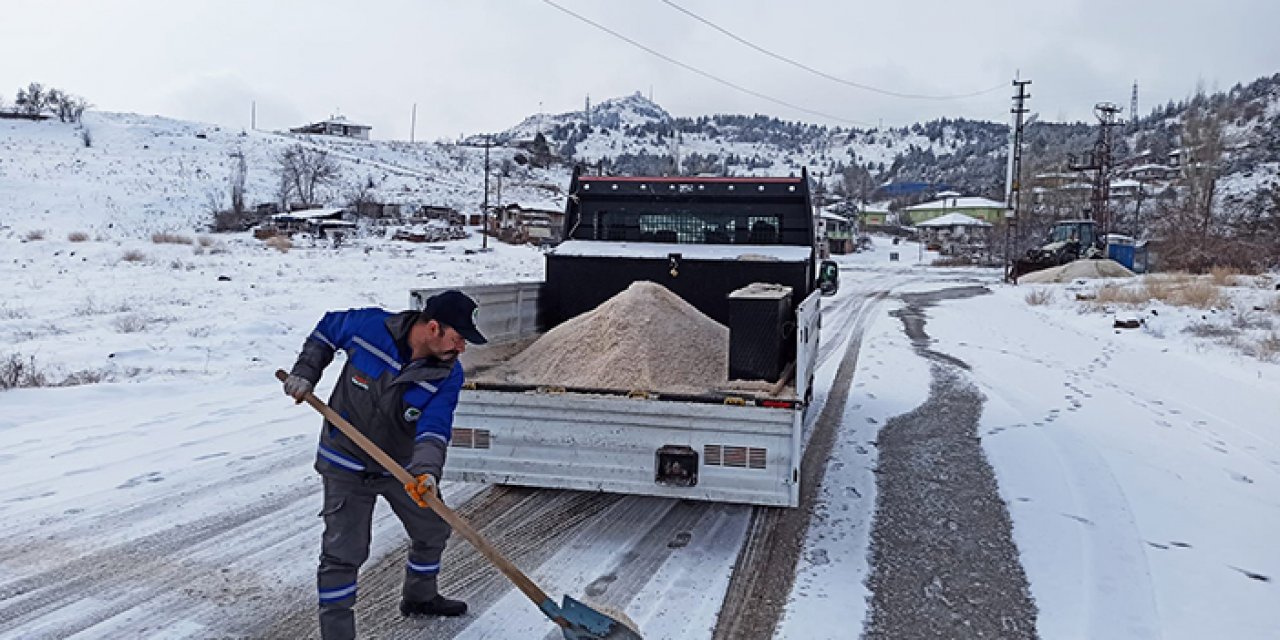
<point x="536" y="594"/>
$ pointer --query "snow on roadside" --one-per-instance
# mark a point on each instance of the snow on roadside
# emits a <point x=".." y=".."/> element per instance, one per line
<point x="829" y="596"/>
<point x="1141" y="471"/>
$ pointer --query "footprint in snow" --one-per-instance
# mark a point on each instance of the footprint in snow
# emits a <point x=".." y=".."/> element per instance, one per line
<point x="600" y="585"/>
<point x="1253" y="576"/>
<point x="1180" y="545"/>
<point x="1240" y="477"/>
<point x="210" y="456"/>
<point x="680" y="540"/>
<point x="871" y="420"/>
<point x="46" y="494"/>
<point x="153" y="476"/>
<point x="818" y="557"/>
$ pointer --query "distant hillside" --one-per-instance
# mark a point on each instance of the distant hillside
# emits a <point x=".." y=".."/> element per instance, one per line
<point x="138" y="175"/>
<point x="134" y="175"/>
<point x="632" y="135"/>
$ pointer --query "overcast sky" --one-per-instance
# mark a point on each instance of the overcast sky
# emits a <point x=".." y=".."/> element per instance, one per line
<point x="476" y="66"/>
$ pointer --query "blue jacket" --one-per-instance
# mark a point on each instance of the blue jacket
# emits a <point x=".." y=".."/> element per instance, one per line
<point x="404" y="406"/>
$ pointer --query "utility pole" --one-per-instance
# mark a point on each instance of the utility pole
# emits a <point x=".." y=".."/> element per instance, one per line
<point x="484" y="201"/>
<point x="1100" y="163"/>
<point x="484" y="206"/>
<point x="820" y="190"/>
<point x="1133" y="107"/>
<point x="1013" y="180"/>
<point x="413" y="121"/>
<point x="253" y="116"/>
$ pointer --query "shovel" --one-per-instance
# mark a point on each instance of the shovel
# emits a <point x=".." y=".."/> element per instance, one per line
<point x="577" y="620"/>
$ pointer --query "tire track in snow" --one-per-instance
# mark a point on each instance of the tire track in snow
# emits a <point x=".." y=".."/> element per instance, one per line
<point x="765" y="567"/>
<point x="943" y="561"/>
<point x="123" y="576"/>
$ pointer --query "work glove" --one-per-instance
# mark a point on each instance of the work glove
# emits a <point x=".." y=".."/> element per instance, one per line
<point x="418" y="490"/>
<point x="297" y="387"/>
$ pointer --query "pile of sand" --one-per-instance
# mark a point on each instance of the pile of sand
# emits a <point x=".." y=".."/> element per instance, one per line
<point x="644" y="338"/>
<point x="1085" y="268"/>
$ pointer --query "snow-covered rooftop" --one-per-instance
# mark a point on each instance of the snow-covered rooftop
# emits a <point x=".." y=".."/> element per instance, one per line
<point x="954" y="220"/>
<point x="970" y="202"/>
<point x="309" y="214"/>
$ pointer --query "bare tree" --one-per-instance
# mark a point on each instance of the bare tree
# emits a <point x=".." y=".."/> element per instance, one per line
<point x="303" y="171"/>
<point x="70" y="108"/>
<point x="238" y="173"/>
<point x="78" y="107"/>
<point x="1192" y="235"/>
<point x="858" y="183"/>
<point x="1201" y="155"/>
<point x="56" y="100"/>
<point x="33" y="100"/>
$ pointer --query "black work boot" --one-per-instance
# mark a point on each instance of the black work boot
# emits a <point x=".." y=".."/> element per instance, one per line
<point x="437" y="606"/>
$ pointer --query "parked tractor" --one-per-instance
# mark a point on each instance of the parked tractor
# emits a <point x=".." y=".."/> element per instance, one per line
<point x="1067" y="240"/>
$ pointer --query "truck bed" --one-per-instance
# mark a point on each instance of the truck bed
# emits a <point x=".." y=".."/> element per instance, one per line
<point x="736" y="443"/>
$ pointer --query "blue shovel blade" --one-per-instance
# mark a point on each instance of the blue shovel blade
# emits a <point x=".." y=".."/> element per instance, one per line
<point x="586" y="623"/>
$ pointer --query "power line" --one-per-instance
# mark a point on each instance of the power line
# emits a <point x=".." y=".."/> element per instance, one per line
<point x="705" y="74"/>
<point x="858" y="85"/>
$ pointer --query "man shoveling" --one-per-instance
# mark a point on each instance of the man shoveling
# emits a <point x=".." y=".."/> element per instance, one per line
<point x="400" y="385"/>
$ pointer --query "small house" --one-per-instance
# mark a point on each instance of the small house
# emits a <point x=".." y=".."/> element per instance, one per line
<point x="956" y="234"/>
<point x="874" y="215"/>
<point x="310" y="220"/>
<point x="990" y="211"/>
<point x="336" y="126"/>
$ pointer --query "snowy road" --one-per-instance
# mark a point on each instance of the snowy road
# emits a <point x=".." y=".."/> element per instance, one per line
<point x="181" y="503"/>
<point x="195" y="519"/>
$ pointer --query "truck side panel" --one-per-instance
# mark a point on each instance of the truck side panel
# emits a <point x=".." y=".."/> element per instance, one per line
<point x="506" y="311"/>
<point x="740" y="453"/>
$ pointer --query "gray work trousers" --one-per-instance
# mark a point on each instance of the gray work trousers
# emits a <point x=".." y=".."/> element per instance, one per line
<point x="348" y="516"/>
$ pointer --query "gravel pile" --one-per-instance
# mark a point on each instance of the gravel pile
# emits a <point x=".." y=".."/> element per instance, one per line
<point x="1086" y="268"/>
<point x="645" y="338"/>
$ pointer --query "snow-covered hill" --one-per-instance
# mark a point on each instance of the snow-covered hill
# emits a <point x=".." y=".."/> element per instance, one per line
<point x="133" y="175"/>
<point x="127" y="175"/>
<point x="633" y="135"/>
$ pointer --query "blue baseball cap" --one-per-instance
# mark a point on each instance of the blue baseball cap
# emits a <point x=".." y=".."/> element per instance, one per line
<point x="455" y="309"/>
